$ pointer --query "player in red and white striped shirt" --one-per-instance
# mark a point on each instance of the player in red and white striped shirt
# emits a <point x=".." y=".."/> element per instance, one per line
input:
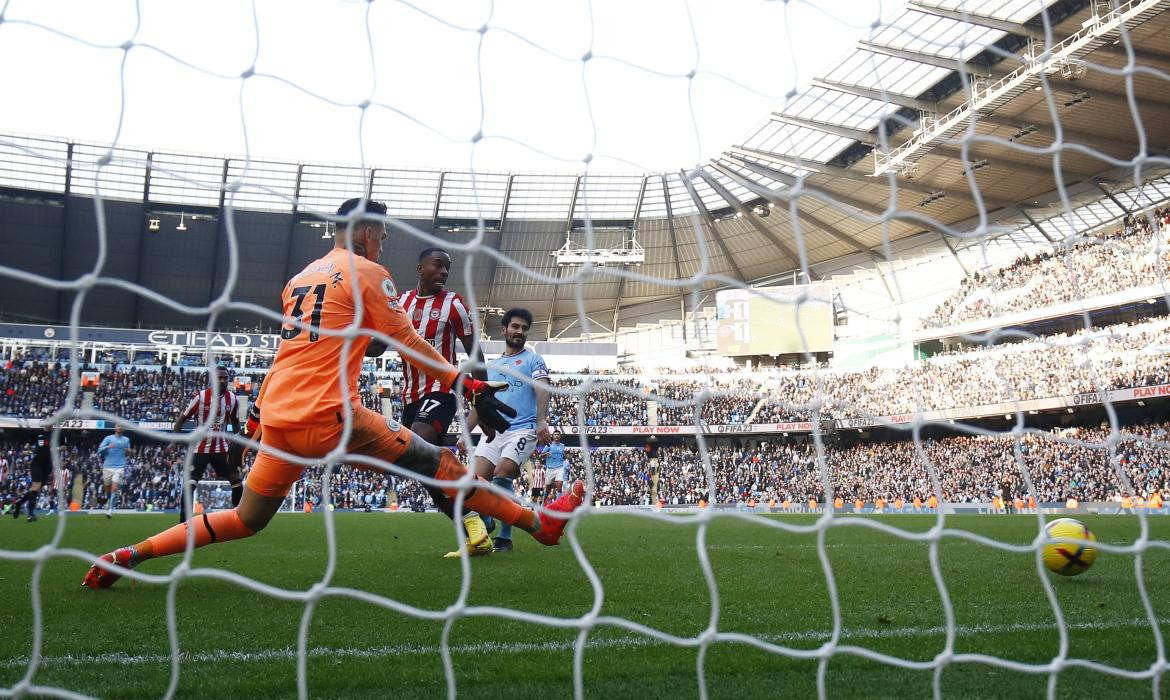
<point x="539" y="477"/>
<point x="206" y="408"/>
<point x="441" y="318"/>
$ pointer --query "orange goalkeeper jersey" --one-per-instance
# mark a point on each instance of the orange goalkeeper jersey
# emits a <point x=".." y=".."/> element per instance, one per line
<point x="303" y="387"/>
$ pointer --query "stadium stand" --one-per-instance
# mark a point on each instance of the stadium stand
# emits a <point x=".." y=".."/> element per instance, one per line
<point x="1133" y="254"/>
<point x="1102" y="359"/>
<point x="971" y="469"/>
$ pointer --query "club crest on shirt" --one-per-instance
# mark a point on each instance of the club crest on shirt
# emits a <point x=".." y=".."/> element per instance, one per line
<point x="391" y="293"/>
<point x="519" y="362"/>
<point x="435" y="315"/>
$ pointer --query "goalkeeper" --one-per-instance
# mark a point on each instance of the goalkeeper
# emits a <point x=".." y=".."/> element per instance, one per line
<point x="301" y="402"/>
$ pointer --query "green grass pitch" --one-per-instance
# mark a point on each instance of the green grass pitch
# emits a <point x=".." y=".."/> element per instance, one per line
<point x="239" y="643"/>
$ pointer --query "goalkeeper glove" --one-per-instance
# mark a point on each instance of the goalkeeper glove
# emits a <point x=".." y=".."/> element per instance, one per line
<point x="376" y="348"/>
<point x="481" y="396"/>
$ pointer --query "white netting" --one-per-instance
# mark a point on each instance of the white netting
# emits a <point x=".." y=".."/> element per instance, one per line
<point x="698" y="209"/>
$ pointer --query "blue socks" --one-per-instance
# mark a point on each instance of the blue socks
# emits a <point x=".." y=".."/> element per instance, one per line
<point x="490" y="522"/>
<point x="506" y="484"/>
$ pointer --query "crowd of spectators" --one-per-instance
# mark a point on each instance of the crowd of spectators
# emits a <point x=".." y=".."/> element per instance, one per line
<point x="622" y="476"/>
<point x="1104" y="359"/>
<point x="602" y="406"/>
<point x="143" y="394"/>
<point x="731" y="401"/>
<point x="33" y="388"/>
<point x="153" y="479"/>
<point x="37" y="389"/>
<point x="1063" y="464"/>
<point x="151" y="483"/>
<point x="1060" y="365"/>
<point x="1135" y="254"/>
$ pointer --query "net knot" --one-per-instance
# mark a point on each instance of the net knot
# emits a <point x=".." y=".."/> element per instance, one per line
<point x="317" y="591"/>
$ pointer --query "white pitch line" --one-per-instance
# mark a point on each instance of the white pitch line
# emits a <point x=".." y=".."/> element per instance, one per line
<point x="289" y="653"/>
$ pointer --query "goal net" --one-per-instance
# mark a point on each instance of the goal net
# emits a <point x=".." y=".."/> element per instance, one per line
<point x="927" y="276"/>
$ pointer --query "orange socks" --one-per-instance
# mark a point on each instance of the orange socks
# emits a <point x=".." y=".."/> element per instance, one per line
<point x="220" y="526"/>
<point x="483" y="501"/>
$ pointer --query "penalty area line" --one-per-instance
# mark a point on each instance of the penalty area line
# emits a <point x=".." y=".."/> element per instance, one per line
<point x="382" y="652"/>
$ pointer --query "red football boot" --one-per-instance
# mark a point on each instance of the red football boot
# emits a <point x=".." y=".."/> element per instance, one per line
<point x="98" y="577"/>
<point x="552" y="528"/>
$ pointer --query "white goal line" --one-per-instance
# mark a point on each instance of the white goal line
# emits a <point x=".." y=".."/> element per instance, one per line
<point x="629" y="641"/>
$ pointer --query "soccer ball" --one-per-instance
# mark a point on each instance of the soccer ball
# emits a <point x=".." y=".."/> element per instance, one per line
<point x="1069" y="559"/>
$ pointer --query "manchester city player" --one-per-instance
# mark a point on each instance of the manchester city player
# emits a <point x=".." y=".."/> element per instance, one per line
<point x="113" y="453"/>
<point x="500" y="459"/>
<point x="554" y="466"/>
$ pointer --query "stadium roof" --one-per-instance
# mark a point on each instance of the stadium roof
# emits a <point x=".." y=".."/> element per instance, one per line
<point x="933" y="119"/>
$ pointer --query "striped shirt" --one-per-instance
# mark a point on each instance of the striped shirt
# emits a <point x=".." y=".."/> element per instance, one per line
<point x="63" y="480"/>
<point x="441" y="319"/>
<point x="538" y="477"/>
<point x="219" y="411"/>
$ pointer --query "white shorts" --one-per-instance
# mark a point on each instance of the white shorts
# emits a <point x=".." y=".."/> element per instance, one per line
<point x="552" y="476"/>
<point x="112" y="475"/>
<point x="516" y="445"/>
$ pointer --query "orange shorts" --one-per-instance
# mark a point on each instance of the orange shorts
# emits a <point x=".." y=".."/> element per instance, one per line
<point x="373" y="435"/>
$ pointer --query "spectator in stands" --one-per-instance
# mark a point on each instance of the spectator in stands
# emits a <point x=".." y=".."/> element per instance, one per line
<point x="1133" y="255"/>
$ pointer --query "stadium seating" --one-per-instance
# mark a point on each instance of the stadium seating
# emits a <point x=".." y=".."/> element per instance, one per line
<point x="970" y="469"/>
<point x="36" y="389"/>
<point x="1135" y="254"/>
<point x="1061" y="365"/>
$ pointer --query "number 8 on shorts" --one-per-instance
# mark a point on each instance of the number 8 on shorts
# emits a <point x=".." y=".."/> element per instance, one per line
<point x="516" y="445"/>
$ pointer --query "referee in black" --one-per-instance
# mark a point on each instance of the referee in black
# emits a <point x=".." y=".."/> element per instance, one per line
<point x="41" y="470"/>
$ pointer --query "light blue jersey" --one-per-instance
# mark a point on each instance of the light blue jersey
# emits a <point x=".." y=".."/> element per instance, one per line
<point x="113" y="451"/>
<point x="520" y="394"/>
<point x="554" y="456"/>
